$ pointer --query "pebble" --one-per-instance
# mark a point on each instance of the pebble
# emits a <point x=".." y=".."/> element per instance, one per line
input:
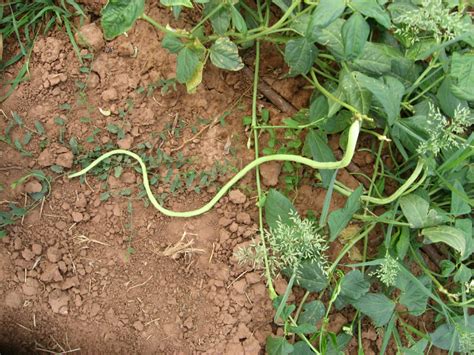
<point x="33" y="186"/>
<point x="90" y="35"/>
<point x="243" y="217"/>
<point x="77" y="217"/>
<point x="65" y="159"/>
<point x="53" y="254"/>
<point x="270" y="173"/>
<point x="237" y="197"/>
<point x="37" y="249"/>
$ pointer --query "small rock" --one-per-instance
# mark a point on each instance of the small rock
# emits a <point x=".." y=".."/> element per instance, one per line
<point x="65" y="159"/>
<point x="51" y="273"/>
<point x="270" y="173"/>
<point x="110" y="95"/>
<point x="253" y="278"/>
<point x="244" y="218"/>
<point x="17" y="243"/>
<point x="95" y="309"/>
<point x="53" y="254"/>
<point x="188" y="323"/>
<point x="240" y="286"/>
<point x="81" y="201"/>
<point x="61" y="225"/>
<point x="27" y="254"/>
<point x="30" y="287"/>
<point x="126" y="142"/>
<point x="58" y="300"/>
<point x="46" y="158"/>
<point x="138" y="326"/>
<point x="336" y="322"/>
<point x="224" y="222"/>
<point x="90" y="35"/>
<point x="70" y="282"/>
<point x="237" y="197"/>
<point x="37" y="249"/>
<point x="125" y="49"/>
<point x="128" y="177"/>
<point x="243" y="332"/>
<point x="13" y="299"/>
<point x="234" y="227"/>
<point x="77" y="217"/>
<point x="33" y="186"/>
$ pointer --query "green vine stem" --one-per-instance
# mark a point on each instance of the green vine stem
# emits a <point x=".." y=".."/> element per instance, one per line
<point x="346" y="159"/>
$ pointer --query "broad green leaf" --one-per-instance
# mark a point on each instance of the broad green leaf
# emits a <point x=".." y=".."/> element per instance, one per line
<point x="414" y="297"/>
<point x="462" y="71"/>
<point x="327" y="11"/>
<point x="277" y="207"/>
<point x="447" y="100"/>
<point x="458" y="205"/>
<point x="284" y="310"/>
<point x="302" y="329"/>
<point x="311" y="277"/>
<point x="237" y="20"/>
<point x="220" y="21"/>
<point x="278" y="346"/>
<point x="447" y="336"/>
<point x="318" y="109"/>
<point x="302" y="348"/>
<point x="312" y="312"/>
<point x="421" y="50"/>
<point x="196" y="79"/>
<point x="330" y="37"/>
<point x="225" y="54"/>
<point x="172" y="43"/>
<point x="377" y="306"/>
<point x="465" y="225"/>
<point x="371" y="8"/>
<point x="300" y="54"/>
<point x="417" y="349"/>
<point x="118" y="16"/>
<point x="317" y="144"/>
<point x="355" y="33"/>
<point x="282" y="4"/>
<point x="376" y="59"/>
<point x="342" y="341"/>
<point x="463" y="275"/>
<point x="188" y="65"/>
<point x="339" y="219"/>
<point x="388" y="91"/>
<point x="354" y="285"/>
<point x="418" y="213"/>
<point x="355" y="94"/>
<point x="185" y="3"/>
<point x="446" y="234"/>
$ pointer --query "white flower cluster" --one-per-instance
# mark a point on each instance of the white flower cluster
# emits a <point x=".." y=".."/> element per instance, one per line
<point x="288" y="246"/>
<point x="444" y="133"/>
<point x="387" y="273"/>
<point x="432" y="18"/>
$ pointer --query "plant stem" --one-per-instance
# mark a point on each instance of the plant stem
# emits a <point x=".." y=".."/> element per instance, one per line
<point x="208" y="16"/>
<point x="163" y="28"/>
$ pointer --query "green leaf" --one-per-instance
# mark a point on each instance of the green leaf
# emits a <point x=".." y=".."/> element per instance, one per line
<point x="463" y="275"/>
<point x="330" y="37"/>
<point x="277" y="207"/>
<point x="414" y="297"/>
<point x="446" y="336"/>
<point x="355" y="94"/>
<point x="39" y="128"/>
<point x="238" y="20"/>
<point x="172" y="43"/>
<point x="417" y="349"/>
<point x="371" y="8"/>
<point x="339" y="219"/>
<point x="355" y="33"/>
<point x="225" y="54"/>
<point x="300" y="54"/>
<point x="278" y="346"/>
<point x="302" y="348"/>
<point x="302" y="329"/>
<point x="418" y="213"/>
<point x="377" y="306"/>
<point x="312" y="312"/>
<point x="189" y="67"/>
<point x="118" y="16"/>
<point x="185" y="3"/>
<point x="462" y="71"/>
<point x="220" y="21"/>
<point x="311" y="277"/>
<point x="459" y="206"/>
<point x="3" y="234"/>
<point x="327" y="11"/>
<point x="354" y="285"/>
<point x="388" y="92"/>
<point x="447" y="100"/>
<point x="317" y="144"/>
<point x="376" y="59"/>
<point x="446" y="234"/>
<point x="342" y="341"/>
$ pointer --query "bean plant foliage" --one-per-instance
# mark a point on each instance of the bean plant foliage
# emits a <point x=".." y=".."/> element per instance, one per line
<point x="405" y="68"/>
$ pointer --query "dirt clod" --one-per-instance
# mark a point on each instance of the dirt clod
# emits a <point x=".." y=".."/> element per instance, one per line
<point x="90" y="35"/>
<point x="54" y="254"/>
<point x="33" y="186"/>
<point x="65" y="159"/>
<point x="270" y="173"/>
<point x="58" y="300"/>
<point x="237" y="197"/>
